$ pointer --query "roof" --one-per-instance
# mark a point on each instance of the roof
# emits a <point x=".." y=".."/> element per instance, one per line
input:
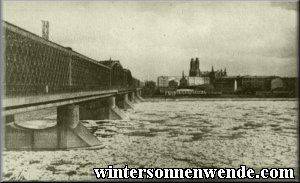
<point x="110" y="63"/>
<point x="247" y="76"/>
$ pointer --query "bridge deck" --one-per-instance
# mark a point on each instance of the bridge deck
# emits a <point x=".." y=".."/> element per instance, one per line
<point x="29" y="103"/>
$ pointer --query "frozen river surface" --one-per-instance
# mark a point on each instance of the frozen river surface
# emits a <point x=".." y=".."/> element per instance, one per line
<point x="193" y="134"/>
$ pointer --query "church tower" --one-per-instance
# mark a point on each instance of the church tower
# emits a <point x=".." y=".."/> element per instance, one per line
<point x="183" y="81"/>
<point x="212" y="75"/>
<point x="197" y="69"/>
<point x="194" y="67"/>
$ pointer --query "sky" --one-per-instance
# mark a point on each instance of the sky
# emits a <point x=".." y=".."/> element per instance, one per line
<point x="160" y="37"/>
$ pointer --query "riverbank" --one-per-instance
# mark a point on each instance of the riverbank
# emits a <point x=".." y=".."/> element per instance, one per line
<point x="159" y="98"/>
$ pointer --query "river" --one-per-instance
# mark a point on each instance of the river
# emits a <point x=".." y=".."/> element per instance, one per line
<point x="177" y="133"/>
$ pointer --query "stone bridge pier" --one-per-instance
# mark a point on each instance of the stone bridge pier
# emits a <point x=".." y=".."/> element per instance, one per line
<point x="100" y="109"/>
<point x="135" y="96"/>
<point x="69" y="132"/>
<point x="124" y="102"/>
<point x="132" y="97"/>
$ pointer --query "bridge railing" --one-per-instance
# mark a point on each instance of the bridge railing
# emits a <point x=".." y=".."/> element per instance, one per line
<point x="14" y="91"/>
<point x="35" y="66"/>
<point x="25" y="90"/>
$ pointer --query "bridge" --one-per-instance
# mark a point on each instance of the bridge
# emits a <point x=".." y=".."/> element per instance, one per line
<point x="40" y="74"/>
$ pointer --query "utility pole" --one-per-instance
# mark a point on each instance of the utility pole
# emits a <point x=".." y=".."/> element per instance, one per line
<point x="45" y="30"/>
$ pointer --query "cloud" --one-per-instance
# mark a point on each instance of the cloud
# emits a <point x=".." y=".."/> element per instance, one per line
<point x="159" y="38"/>
<point x="286" y="5"/>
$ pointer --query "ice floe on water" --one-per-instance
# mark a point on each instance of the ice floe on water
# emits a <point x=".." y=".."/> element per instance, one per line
<point x="173" y="134"/>
<point x="38" y="124"/>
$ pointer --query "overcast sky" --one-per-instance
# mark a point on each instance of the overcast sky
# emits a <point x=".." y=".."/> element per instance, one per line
<point x="160" y="38"/>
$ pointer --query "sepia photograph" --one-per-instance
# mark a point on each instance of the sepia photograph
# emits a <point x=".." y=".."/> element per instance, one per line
<point x="149" y="91"/>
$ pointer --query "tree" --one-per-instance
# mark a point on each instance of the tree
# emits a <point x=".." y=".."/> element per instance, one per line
<point x="149" y="88"/>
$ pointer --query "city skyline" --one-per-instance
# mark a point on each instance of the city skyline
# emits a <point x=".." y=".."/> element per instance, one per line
<point x="160" y="38"/>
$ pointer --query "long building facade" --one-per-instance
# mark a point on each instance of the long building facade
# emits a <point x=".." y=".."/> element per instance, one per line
<point x="219" y="81"/>
<point x="195" y="77"/>
<point x="256" y="84"/>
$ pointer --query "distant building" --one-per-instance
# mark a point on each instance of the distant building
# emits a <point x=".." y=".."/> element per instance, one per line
<point x="215" y="74"/>
<point x="196" y="81"/>
<point x="184" y="91"/>
<point x="227" y="84"/>
<point x="256" y="83"/>
<point x="194" y="68"/>
<point x="173" y="85"/>
<point x="120" y="76"/>
<point x="183" y="81"/>
<point x="163" y="81"/>
<point x="219" y="81"/>
<point x="208" y="76"/>
<point x="175" y="78"/>
<point x="206" y="80"/>
<point x="196" y="77"/>
<point x="248" y="84"/>
<point x="277" y="84"/>
<point x="290" y="83"/>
